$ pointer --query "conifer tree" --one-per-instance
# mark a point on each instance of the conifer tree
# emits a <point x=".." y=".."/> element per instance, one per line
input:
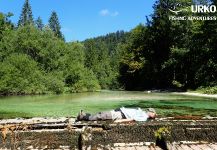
<point x="26" y="16"/>
<point x="39" y="24"/>
<point x="55" y="25"/>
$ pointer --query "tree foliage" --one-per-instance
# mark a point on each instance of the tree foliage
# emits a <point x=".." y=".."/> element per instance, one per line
<point x="102" y="56"/>
<point x="39" y="23"/>
<point x="5" y="23"/>
<point x="170" y="53"/>
<point x="55" y="25"/>
<point x="26" y="16"/>
<point x="35" y="61"/>
<point x="20" y="74"/>
<point x="164" y="53"/>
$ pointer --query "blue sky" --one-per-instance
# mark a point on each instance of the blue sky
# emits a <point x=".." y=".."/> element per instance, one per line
<point x="82" y="19"/>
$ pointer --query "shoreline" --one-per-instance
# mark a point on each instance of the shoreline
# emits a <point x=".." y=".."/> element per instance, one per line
<point x="197" y="94"/>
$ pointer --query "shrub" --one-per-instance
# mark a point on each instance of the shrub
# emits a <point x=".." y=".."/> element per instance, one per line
<point x="208" y="90"/>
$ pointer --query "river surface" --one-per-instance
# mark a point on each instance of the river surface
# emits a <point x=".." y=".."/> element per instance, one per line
<point x="166" y="104"/>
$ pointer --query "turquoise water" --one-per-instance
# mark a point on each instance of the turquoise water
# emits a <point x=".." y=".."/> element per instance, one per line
<point x="166" y="104"/>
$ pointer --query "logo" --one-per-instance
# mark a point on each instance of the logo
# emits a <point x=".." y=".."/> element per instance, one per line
<point x="177" y="8"/>
<point x="203" y="9"/>
<point x="196" y="11"/>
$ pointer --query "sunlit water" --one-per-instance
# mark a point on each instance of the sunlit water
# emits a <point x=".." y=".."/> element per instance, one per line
<point x="166" y="104"/>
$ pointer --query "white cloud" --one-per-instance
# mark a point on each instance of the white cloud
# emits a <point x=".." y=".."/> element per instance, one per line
<point x="106" y="12"/>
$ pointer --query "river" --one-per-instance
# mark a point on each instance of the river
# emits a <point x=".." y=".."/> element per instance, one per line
<point x="68" y="105"/>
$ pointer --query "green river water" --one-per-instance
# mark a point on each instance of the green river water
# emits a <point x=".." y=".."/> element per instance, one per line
<point x="166" y="104"/>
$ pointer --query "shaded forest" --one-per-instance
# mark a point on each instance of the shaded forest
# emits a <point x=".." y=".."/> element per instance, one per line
<point x="160" y="54"/>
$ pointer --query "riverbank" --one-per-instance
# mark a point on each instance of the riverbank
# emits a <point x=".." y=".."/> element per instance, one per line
<point x="197" y="94"/>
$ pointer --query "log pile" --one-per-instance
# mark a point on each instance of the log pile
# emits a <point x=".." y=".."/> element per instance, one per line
<point x="65" y="133"/>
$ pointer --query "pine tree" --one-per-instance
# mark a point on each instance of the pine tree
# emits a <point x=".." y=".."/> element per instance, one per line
<point x="26" y="16"/>
<point x="39" y="24"/>
<point x="55" y="25"/>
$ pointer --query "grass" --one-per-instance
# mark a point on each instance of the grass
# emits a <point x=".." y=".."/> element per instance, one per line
<point x="166" y="104"/>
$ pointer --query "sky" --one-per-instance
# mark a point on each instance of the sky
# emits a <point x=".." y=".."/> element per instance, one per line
<point x="82" y="19"/>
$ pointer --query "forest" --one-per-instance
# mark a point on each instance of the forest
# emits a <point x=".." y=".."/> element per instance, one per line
<point x="158" y="54"/>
